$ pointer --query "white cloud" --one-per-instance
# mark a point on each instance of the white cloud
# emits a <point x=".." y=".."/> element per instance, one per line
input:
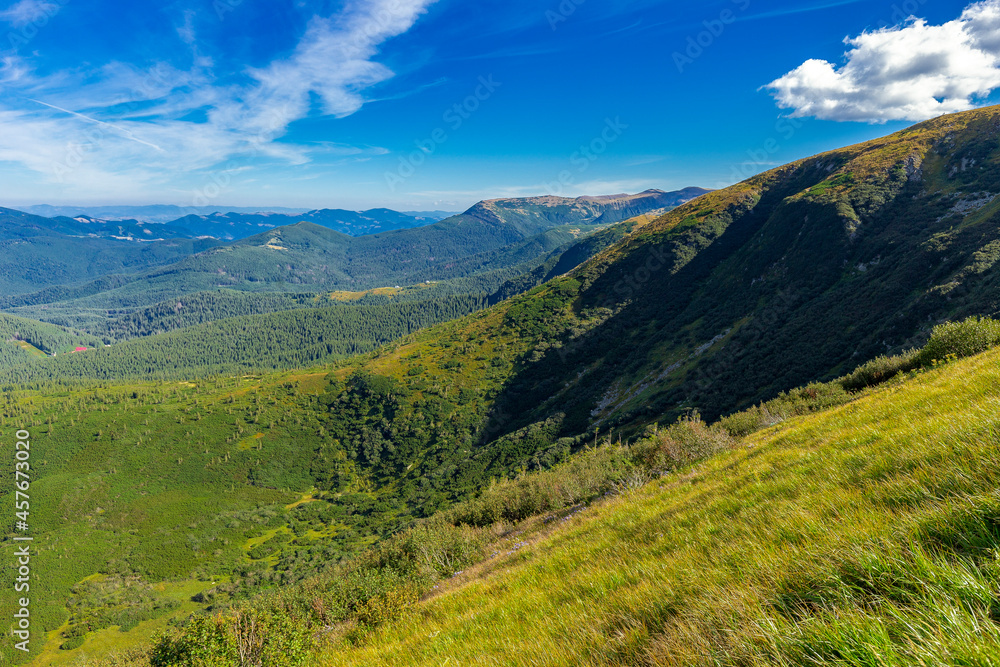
<point x="911" y="72"/>
<point x="118" y="124"/>
<point x="186" y="31"/>
<point x="26" y="12"/>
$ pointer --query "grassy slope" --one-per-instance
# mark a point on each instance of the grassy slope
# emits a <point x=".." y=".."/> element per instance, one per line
<point x="866" y="535"/>
<point x="162" y="479"/>
<point x="23" y="340"/>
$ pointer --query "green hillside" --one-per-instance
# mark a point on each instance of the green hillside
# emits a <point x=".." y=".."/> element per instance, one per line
<point x="687" y="546"/>
<point x="798" y="275"/>
<point x="864" y="535"/>
<point x="281" y="340"/>
<point x="227" y="331"/>
<point x="34" y="263"/>
<point x="718" y="304"/>
<point x="24" y="340"/>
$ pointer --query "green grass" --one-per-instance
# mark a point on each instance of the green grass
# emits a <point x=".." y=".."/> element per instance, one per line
<point x="150" y="480"/>
<point x="863" y="535"/>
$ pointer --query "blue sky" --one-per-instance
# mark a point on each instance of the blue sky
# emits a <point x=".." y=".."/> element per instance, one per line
<point x="420" y="105"/>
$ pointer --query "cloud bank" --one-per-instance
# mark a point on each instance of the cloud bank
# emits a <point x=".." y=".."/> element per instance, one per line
<point x="911" y="72"/>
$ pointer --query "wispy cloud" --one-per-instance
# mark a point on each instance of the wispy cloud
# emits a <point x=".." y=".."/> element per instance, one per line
<point x="147" y="125"/>
<point x="27" y="12"/>
<point x="128" y="134"/>
<point x="801" y="9"/>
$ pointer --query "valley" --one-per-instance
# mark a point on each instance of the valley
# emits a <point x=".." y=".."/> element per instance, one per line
<point x="652" y="428"/>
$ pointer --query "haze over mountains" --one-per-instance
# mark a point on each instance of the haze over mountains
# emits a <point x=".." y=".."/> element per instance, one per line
<point x="163" y="213"/>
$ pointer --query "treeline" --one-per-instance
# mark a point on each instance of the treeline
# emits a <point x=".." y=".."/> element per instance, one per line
<point x="199" y="308"/>
<point x="288" y="339"/>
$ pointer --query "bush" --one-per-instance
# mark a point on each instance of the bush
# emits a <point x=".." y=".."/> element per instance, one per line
<point x="801" y="401"/>
<point x="962" y="339"/>
<point x="589" y="474"/>
<point x="72" y="643"/>
<point x="243" y="636"/>
<point x="688" y="440"/>
<point x="879" y="370"/>
<point x="386" y="606"/>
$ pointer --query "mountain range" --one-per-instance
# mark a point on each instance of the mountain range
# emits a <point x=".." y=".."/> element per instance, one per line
<point x="724" y="426"/>
<point x="167" y="213"/>
<point x="490" y="244"/>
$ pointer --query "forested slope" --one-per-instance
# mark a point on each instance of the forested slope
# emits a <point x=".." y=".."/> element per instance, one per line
<point x="796" y="275"/>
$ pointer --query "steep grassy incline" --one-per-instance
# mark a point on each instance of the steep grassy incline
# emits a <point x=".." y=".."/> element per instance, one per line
<point x="864" y="535"/>
<point x="796" y="275"/>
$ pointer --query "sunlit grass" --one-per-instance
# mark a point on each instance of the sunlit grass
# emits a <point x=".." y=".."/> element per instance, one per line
<point x="863" y="535"/>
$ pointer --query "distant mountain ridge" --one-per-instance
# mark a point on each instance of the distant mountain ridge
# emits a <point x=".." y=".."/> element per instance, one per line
<point x="235" y="226"/>
<point x="493" y="242"/>
<point x="155" y="213"/>
<point x="168" y="213"/>
<point x="602" y="210"/>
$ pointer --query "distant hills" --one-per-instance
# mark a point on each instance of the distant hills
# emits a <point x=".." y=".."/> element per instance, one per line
<point x="152" y="213"/>
<point x="233" y="225"/>
<point x="37" y="253"/>
<point x="93" y="269"/>
<point x="161" y="213"/>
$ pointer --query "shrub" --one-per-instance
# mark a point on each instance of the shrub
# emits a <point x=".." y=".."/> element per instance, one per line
<point x="589" y="474"/>
<point x="801" y="401"/>
<point x="879" y="370"/>
<point x="386" y="606"/>
<point x="683" y="442"/>
<point x="72" y="643"/>
<point x="962" y="339"/>
<point x="243" y="637"/>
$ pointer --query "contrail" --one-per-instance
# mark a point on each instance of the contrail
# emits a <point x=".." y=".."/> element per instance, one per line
<point x="128" y="134"/>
